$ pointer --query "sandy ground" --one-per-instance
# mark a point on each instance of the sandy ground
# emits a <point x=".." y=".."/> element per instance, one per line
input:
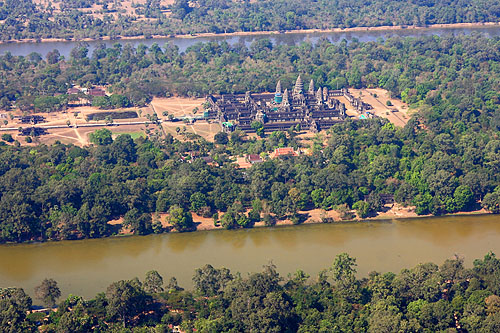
<point x="79" y="136"/>
<point x="184" y="107"/>
<point x="396" y="114"/>
<point x="178" y="106"/>
<point x="76" y="116"/>
<point x="200" y="127"/>
<point x="207" y="223"/>
<point x="204" y="223"/>
<point x="391" y="212"/>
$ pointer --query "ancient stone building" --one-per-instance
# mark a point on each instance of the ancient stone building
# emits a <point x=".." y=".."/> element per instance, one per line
<point x="313" y="110"/>
<point x="33" y="119"/>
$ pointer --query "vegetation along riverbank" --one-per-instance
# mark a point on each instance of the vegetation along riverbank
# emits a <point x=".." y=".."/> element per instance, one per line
<point x="425" y="297"/>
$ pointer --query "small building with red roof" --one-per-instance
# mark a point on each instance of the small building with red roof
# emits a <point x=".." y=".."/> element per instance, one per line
<point x="254" y="158"/>
<point x="288" y="151"/>
<point x="97" y="92"/>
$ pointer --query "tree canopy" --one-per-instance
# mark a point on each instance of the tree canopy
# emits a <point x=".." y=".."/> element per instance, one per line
<point x="425" y="298"/>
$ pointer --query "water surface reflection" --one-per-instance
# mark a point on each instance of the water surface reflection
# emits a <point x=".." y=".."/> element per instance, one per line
<point x="65" y="47"/>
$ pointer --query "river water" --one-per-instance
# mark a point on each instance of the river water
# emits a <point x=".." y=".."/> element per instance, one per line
<point x="289" y="39"/>
<point x="87" y="267"/>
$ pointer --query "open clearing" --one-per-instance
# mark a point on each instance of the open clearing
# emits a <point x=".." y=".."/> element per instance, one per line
<point x="74" y="121"/>
<point x="178" y="106"/>
<point x="73" y="125"/>
<point x="377" y="98"/>
<point x="397" y="113"/>
<point x="181" y="107"/>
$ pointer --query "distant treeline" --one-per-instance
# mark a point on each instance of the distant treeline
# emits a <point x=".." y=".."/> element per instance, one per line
<point x="426" y="298"/>
<point x="74" y="19"/>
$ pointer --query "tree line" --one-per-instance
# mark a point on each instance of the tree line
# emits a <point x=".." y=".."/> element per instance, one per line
<point x="425" y="298"/>
<point x="78" y="19"/>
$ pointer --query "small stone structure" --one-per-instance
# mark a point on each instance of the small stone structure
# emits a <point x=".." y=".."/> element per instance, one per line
<point x="32" y="119"/>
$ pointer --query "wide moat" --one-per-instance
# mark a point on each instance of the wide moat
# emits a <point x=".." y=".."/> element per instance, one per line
<point x="65" y="47"/>
<point x="87" y="267"/>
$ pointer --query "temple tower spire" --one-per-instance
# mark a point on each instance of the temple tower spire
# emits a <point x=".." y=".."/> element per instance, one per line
<point x="285" y="101"/>
<point x="319" y="96"/>
<point x="299" y="87"/>
<point x="311" y="87"/>
<point x="278" y="87"/>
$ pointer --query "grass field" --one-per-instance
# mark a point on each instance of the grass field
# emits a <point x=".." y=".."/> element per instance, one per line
<point x="134" y="135"/>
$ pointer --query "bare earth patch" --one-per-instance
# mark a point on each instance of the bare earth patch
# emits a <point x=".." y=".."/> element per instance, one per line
<point x="72" y="125"/>
<point x="314" y="216"/>
<point x="397" y="113"/>
<point x="182" y="107"/>
<point x="178" y="106"/>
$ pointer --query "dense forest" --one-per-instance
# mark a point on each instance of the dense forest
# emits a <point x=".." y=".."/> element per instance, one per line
<point x="106" y="18"/>
<point x="426" y="298"/>
<point x="445" y="160"/>
<point x="68" y="192"/>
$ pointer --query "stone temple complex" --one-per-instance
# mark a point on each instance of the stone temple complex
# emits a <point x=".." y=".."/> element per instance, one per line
<point x="314" y="109"/>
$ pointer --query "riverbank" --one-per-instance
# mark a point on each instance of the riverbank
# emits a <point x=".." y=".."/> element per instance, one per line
<point x="258" y="33"/>
<point x="314" y="216"/>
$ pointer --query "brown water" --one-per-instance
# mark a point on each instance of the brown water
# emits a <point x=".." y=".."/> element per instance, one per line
<point x="89" y="266"/>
